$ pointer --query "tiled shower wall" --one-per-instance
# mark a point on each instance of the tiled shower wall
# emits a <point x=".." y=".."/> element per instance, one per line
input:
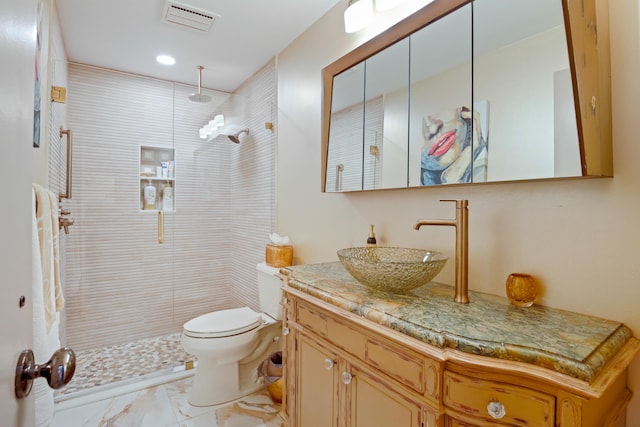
<point x="361" y="169"/>
<point x="253" y="184"/>
<point x="121" y="284"/>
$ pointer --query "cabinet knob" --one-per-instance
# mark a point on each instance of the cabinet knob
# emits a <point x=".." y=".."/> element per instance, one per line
<point x="285" y="331"/>
<point x="346" y="377"/>
<point x="496" y="409"/>
<point x="328" y="364"/>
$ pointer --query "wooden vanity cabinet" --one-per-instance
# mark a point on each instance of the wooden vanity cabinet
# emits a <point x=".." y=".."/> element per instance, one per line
<point x="341" y="370"/>
<point x="334" y="378"/>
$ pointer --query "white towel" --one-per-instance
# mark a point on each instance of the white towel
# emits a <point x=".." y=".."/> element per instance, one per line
<point x="45" y="339"/>
<point x="48" y="235"/>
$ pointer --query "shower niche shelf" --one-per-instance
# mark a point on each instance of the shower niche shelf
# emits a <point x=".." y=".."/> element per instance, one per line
<point x="157" y="178"/>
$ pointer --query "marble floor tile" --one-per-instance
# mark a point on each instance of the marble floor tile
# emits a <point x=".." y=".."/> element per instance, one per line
<point x="147" y="408"/>
<point x="257" y="410"/>
<point x="166" y="406"/>
<point x="178" y="392"/>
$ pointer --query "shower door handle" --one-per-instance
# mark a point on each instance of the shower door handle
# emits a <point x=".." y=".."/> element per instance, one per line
<point x="67" y="194"/>
<point x="160" y="226"/>
<point x="58" y="371"/>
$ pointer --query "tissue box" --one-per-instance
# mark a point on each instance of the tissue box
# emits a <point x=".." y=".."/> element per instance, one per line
<point x="279" y="255"/>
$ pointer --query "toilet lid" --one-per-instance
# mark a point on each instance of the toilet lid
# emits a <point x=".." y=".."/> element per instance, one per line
<point x="223" y="323"/>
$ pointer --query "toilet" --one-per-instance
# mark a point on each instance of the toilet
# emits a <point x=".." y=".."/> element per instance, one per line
<point x="230" y="344"/>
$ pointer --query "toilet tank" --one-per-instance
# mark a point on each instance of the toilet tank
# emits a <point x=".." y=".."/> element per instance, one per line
<point x="269" y="291"/>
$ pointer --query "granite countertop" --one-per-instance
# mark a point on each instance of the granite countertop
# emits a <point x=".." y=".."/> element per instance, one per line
<point x="574" y="344"/>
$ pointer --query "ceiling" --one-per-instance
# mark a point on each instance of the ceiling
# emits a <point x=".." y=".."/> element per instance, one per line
<point x="127" y="35"/>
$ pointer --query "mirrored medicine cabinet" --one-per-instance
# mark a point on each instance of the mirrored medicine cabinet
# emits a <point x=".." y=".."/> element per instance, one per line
<point x="473" y="91"/>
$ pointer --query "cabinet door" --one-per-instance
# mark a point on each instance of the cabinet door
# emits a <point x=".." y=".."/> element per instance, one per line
<point x="317" y="385"/>
<point x="374" y="403"/>
<point x="452" y="422"/>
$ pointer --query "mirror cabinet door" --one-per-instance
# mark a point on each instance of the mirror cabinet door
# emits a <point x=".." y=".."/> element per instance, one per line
<point x="440" y="149"/>
<point x="346" y="146"/>
<point x="386" y="117"/>
<point x="522" y="81"/>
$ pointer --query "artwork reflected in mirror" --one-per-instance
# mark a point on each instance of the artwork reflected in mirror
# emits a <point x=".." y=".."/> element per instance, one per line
<point x="455" y="148"/>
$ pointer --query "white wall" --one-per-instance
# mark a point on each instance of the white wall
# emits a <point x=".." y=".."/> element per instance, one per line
<point x="578" y="237"/>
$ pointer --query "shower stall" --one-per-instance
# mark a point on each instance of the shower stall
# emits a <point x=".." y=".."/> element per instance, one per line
<point x="135" y="272"/>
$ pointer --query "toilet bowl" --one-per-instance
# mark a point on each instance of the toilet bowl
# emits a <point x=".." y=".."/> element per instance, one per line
<point x="230" y="344"/>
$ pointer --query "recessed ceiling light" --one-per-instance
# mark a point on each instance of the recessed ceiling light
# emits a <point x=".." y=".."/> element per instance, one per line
<point x="165" y="59"/>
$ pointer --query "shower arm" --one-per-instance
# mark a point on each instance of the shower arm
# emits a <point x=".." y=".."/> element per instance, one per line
<point x="200" y="68"/>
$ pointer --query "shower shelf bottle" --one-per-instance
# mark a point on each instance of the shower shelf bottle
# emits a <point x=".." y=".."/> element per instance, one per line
<point x="149" y="196"/>
<point x="167" y="197"/>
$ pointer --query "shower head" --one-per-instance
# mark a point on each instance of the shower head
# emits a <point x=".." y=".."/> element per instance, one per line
<point x="199" y="97"/>
<point x="234" y="136"/>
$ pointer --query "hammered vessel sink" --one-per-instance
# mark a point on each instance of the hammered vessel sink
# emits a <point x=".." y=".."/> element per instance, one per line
<point x="391" y="269"/>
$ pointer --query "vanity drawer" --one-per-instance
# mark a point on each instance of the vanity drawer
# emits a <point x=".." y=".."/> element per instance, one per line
<point x="522" y="406"/>
<point x="312" y="320"/>
<point x="347" y="338"/>
<point x="399" y="363"/>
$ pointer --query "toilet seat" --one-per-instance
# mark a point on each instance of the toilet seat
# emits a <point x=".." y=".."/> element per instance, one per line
<point x="223" y="323"/>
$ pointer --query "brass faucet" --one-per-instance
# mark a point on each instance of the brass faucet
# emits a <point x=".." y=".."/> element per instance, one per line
<point x="461" y="223"/>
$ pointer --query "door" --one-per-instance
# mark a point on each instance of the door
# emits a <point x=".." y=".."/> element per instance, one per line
<point x="17" y="49"/>
<point x="317" y="396"/>
<point x="374" y="403"/>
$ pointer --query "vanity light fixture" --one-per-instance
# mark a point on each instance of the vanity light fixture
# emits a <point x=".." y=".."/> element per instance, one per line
<point x="358" y="15"/>
<point x="383" y="5"/>
<point x="165" y="59"/>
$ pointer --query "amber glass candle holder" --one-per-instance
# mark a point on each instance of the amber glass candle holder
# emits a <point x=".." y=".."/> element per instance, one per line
<point x="521" y="289"/>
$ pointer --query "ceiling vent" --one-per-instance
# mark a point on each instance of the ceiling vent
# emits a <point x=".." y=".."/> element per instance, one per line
<point x="188" y="16"/>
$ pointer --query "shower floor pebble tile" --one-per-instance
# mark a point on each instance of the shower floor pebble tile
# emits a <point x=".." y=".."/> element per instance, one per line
<point x="166" y="405"/>
<point x="109" y="365"/>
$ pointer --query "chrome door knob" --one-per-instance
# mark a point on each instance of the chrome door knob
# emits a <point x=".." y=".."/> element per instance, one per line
<point x="58" y="371"/>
